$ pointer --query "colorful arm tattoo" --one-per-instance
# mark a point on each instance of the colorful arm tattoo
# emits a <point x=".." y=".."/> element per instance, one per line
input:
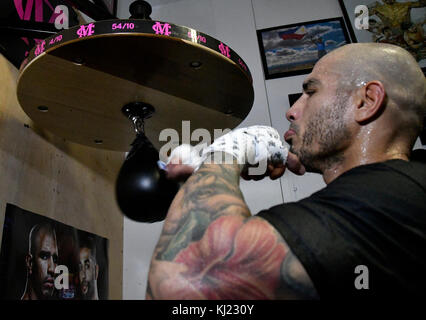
<point x="212" y="248"/>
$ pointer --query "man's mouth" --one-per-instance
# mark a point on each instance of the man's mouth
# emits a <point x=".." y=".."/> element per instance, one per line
<point x="288" y="135"/>
<point x="49" y="283"/>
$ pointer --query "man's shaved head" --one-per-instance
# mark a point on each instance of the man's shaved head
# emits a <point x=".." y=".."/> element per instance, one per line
<point x="362" y="103"/>
<point x="403" y="80"/>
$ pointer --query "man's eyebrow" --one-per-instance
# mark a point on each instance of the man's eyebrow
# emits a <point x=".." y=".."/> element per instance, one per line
<point x="311" y="82"/>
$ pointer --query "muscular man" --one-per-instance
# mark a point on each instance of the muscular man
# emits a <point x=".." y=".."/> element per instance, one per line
<point x="41" y="262"/>
<point x="89" y="269"/>
<point x="356" y="123"/>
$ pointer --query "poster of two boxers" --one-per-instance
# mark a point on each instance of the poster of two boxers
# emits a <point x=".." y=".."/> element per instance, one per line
<point x="38" y="255"/>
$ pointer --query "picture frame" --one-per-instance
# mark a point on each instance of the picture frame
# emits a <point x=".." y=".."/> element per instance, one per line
<point x="294" y="49"/>
<point x="385" y="24"/>
<point x="22" y="227"/>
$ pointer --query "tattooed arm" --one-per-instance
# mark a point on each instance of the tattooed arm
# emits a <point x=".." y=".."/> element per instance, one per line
<point x="212" y="248"/>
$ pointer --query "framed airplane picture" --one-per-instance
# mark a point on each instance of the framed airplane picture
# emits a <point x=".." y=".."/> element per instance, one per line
<point x="294" y="49"/>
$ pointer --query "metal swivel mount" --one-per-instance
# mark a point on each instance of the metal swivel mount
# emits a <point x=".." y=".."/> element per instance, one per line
<point x="140" y="10"/>
<point x="138" y="112"/>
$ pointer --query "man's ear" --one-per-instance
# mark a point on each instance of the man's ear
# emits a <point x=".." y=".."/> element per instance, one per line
<point x="29" y="263"/>
<point x="370" y="101"/>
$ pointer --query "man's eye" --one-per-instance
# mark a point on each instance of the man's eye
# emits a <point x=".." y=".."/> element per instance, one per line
<point x="310" y="92"/>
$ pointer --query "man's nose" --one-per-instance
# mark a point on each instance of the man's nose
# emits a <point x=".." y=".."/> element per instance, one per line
<point x="84" y="274"/>
<point x="51" y="266"/>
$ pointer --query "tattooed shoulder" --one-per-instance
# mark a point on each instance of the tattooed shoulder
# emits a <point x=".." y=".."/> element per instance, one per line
<point x="294" y="281"/>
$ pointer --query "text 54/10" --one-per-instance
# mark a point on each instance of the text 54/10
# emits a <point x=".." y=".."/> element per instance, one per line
<point x="123" y="26"/>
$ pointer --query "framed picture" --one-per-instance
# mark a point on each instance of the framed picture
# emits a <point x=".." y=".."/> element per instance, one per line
<point x="294" y="49"/>
<point x="76" y="254"/>
<point x="399" y="22"/>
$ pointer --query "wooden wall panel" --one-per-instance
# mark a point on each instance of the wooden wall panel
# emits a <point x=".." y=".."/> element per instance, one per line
<point x="45" y="174"/>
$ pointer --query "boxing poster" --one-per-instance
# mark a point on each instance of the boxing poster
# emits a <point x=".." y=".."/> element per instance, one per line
<point x="43" y="259"/>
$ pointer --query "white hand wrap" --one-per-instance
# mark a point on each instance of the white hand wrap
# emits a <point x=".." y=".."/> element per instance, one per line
<point x="250" y="145"/>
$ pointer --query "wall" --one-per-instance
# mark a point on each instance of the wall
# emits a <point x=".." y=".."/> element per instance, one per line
<point x="70" y="183"/>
